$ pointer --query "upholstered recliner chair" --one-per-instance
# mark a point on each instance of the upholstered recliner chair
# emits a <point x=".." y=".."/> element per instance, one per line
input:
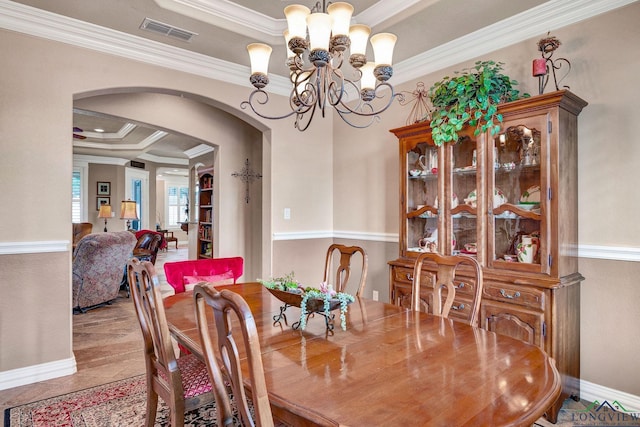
<point x="98" y="268"/>
<point x="80" y="229"/>
<point x="149" y="242"/>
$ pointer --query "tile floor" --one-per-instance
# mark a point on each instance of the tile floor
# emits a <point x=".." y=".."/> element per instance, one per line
<point x="106" y="343"/>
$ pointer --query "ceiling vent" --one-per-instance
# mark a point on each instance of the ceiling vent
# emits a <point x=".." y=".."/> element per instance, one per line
<point x="167" y="30"/>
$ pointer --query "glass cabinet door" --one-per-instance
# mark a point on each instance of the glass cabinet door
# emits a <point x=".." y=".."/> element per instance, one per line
<point x="466" y="168"/>
<point x="422" y="192"/>
<point x="518" y="237"/>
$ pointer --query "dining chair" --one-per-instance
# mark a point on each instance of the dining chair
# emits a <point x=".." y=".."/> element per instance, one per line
<point x="182" y="383"/>
<point x="224" y="304"/>
<point x="343" y="270"/>
<point x="445" y="277"/>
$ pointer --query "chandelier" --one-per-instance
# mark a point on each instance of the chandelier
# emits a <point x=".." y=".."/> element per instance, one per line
<point x="317" y="40"/>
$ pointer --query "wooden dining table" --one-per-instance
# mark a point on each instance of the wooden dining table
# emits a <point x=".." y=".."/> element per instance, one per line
<point x="390" y="367"/>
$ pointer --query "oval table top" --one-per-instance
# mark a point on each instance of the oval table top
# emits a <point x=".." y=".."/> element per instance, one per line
<point x="390" y="367"/>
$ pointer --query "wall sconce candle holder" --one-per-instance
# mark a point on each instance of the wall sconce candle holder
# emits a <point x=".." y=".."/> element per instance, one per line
<point x="545" y="67"/>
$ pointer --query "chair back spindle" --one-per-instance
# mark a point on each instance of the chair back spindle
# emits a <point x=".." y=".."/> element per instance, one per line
<point x="343" y="270"/>
<point x="445" y="277"/>
<point x="227" y="305"/>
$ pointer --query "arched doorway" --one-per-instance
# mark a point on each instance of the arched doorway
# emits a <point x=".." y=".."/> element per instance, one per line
<point x="239" y="225"/>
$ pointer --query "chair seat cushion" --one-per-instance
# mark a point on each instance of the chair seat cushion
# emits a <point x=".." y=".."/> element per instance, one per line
<point x="214" y="280"/>
<point x="195" y="379"/>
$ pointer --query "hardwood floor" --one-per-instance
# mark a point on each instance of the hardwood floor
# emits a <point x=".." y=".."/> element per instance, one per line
<point x="106" y="344"/>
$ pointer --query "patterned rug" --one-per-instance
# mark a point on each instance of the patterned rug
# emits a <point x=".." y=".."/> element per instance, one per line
<point x="117" y="404"/>
<point x="122" y="404"/>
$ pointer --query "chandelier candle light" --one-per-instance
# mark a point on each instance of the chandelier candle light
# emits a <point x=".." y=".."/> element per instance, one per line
<point x="323" y="38"/>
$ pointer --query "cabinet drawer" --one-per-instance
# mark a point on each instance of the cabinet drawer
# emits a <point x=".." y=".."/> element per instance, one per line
<point x="464" y="286"/>
<point x="405" y="275"/>
<point x="528" y="297"/>
<point x="401" y="296"/>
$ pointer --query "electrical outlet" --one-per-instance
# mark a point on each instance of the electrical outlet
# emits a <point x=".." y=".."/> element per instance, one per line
<point x="375" y="295"/>
<point x="287" y="213"/>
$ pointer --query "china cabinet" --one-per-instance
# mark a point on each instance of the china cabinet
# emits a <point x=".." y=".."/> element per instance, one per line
<point x="510" y="200"/>
<point x="205" y="214"/>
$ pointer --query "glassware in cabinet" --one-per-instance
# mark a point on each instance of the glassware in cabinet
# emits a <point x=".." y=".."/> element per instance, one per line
<point x="467" y="158"/>
<point x="421" y="216"/>
<point x="520" y="187"/>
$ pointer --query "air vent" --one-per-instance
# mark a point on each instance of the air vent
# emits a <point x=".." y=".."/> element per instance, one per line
<point x="167" y="30"/>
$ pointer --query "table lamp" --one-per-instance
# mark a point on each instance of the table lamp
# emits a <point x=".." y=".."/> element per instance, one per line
<point x="128" y="211"/>
<point x="105" y="212"/>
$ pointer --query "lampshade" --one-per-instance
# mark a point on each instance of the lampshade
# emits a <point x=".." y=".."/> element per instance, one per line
<point x="105" y="211"/>
<point x="319" y="31"/>
<point x="128" y="210"/>
<point x="340" y="13"/>
<point x="297" y="20"/>
<point x="259" y="54"/>
<point x="359" y="35"/>
<point x="383" y="45"/>
<point x="368" y="80"/>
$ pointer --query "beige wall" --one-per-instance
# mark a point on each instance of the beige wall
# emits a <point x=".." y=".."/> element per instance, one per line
<point x="344" y="182"/>
<point x="40" y="80"/>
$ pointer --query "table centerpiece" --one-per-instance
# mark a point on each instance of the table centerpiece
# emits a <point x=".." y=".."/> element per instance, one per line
<point x="322" y="300"/>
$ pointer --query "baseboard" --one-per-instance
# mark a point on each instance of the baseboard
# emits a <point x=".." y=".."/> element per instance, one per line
<point x="592" y="392"/>
<point x="33" y="374"/>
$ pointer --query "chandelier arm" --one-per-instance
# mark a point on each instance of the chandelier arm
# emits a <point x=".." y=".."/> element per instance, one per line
<point x="249" y="103"/>
<point x="336" y="90"/>
<point x="344" y="108"/>
<point x="299" y="124"/>
<point x="372" y="119"/>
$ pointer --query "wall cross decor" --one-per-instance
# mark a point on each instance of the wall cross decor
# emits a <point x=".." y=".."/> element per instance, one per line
<point x="247" y="175"/>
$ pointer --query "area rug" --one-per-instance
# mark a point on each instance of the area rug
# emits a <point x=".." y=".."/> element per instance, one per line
<point x="117" y="404"/>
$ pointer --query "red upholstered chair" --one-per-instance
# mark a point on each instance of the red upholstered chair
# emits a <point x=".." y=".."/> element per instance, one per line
<point x="224" y="270"/>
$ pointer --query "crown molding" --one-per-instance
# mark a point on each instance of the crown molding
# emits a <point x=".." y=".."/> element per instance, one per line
<point x="199" y="150"/>
<point x="551" y="15"/>
<point x="242" y="20"/>
<point x="231" y="17"/>
<point x="534" y="22"/>
<point x="122" y="132"/>
<point x="40" y="23"/>
<point x="100" y="160"/>
<point x="163" y="160"/>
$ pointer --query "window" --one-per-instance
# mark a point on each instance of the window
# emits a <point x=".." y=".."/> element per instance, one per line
<point x="177" y="201"/>
<point x="76" y="197"/>
<point x="79" y="201"/>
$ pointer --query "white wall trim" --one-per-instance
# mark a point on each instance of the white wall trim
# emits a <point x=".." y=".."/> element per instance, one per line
<point x="615" y="253"/>
<point x="35" y="373"/>
<point x="618" y="253"/>
<point x="550" y="15"/>
<point x="15" y="248"/>
<point x="299" y="235"/>
<point x="592" y="392"/>
<point x="356" y="235"/>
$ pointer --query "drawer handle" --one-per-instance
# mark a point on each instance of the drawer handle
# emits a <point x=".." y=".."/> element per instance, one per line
<point x="461" y="285"/>
<point x="409" y="277"/>
<point x="457" y="307"/>
<point x="506" y="295"/>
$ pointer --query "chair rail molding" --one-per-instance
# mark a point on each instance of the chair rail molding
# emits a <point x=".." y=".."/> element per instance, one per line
<point x="16" y="248"/>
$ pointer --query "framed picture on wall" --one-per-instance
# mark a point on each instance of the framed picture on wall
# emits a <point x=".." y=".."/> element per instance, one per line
<point x="102" y="201"/>
<point x="104" y="188"/>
